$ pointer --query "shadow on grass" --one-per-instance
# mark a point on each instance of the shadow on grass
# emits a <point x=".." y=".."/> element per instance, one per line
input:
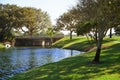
<point x="111" y="57"/>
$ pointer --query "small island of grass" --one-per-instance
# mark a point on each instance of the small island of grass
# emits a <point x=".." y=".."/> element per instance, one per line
<point x="1" y="45"/>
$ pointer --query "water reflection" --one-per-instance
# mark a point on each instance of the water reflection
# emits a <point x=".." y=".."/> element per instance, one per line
<point x="16" y="60"/>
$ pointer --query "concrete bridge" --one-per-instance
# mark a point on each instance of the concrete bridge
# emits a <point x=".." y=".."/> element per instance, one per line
<point x="42" y="41"/>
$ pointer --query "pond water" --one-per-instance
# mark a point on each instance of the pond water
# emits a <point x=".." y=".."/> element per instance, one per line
<point x="16" y="60"/>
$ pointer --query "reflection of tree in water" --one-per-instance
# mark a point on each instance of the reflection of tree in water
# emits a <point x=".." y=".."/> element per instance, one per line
<point x="48" y="58"/>
<point x="32" y="59"/>
<point x="71" y="52"/>
<point x="45" y="57"/>
<point x="5" y="61"/>
<point x="18" y="60"/>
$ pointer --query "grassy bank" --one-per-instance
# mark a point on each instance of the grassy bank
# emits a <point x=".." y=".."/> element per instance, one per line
<point x="77" y="43"/>
<point x="78" y="67"/>
<point x="1" y="46"/>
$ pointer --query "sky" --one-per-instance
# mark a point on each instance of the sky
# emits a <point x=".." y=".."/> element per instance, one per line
<point x="54" y="8"/>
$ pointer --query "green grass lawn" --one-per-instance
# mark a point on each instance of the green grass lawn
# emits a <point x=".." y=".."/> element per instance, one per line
<point x="79" y="67"/>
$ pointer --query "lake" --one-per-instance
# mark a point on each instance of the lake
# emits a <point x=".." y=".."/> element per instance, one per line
<point x="17" y="60"/>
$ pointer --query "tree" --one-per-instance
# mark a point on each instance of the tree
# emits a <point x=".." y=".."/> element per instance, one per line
<point x="117" y="30"/>
<point x="7" y="20"/>
<point x="98" y="12"/>
<point x="84" y="28"/>
<point x="68" y="21"/>
<point x="34" y="20"/>
<point x="50" y="32"/>
<point x="14" y="17"/>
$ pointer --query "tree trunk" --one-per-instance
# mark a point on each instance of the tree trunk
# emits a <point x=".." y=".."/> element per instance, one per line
<point x="51" y="41"/>
<point x="71" y="34"/>
<point x="110" y="32"/>
<point x="96" y="36"/>
<point x="98" y="51"/>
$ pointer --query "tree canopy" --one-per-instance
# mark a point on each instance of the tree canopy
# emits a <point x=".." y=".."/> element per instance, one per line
<point x="68" y="21"/>
<point x="98" y="16"/>
<point x="7" y="20"/>
<point x="14" y="17"/>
